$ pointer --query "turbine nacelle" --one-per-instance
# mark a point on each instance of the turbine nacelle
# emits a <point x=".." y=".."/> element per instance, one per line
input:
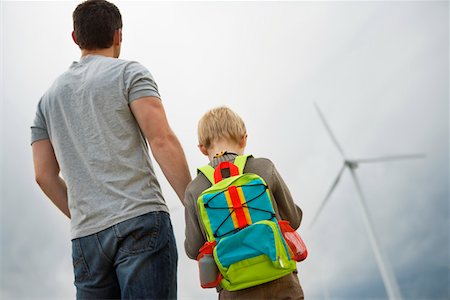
<point x="351" y="164"/>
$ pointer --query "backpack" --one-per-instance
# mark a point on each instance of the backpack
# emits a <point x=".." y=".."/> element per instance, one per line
<point x="243" y="236"/>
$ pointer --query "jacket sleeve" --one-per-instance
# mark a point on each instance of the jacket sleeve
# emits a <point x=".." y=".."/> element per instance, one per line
<point x="194" y="237"/>
<point x="287" y="209"/>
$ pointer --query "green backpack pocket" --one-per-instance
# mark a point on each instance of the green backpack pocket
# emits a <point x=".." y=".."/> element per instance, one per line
<point x="252" y="256"/>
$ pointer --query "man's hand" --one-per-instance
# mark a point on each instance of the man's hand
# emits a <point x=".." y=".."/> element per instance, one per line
<point x="46" y="170"/>
<point x="151" y="117"/>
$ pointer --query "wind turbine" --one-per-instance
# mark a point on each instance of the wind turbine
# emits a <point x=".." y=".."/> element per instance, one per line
<point x="387" y="274"/>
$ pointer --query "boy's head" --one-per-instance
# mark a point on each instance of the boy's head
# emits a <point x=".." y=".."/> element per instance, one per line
<point x="96" y="25"/>
<point x="221" y="126"/>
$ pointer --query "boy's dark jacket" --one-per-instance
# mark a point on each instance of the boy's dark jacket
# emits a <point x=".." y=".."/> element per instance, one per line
<point x="284" y="206"/>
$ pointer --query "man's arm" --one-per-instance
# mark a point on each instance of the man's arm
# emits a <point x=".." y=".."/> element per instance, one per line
<point x="46" y="170"/>
<point x="151" y="117"/>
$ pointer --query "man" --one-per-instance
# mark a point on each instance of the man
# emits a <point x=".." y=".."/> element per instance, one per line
<point x="92" y="125"/>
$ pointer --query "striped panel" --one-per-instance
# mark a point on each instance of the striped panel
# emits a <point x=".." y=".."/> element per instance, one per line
<point x="230" y="205"/>
<point x="244" y="208"/>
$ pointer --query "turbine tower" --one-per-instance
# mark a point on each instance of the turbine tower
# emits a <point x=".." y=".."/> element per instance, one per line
<point x="387" y="274"/>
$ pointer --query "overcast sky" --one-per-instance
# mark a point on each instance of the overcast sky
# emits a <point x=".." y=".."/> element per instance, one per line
<point x="378" y="70"/>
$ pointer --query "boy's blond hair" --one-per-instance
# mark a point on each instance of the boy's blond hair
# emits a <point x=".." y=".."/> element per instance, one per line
<point x="220" y="123"/>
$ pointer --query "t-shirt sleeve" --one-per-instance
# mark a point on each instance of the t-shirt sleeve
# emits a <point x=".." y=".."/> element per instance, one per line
<point x="139" y="82"/>
<point x="39" y="127"/>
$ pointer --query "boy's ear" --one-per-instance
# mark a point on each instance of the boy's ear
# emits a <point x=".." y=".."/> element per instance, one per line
<point x="203" y="149"/>
<point x="243" y="142"/>
<point x="74" y="38"/>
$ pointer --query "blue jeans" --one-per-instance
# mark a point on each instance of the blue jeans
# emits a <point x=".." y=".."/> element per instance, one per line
<point x="135" y="259"/>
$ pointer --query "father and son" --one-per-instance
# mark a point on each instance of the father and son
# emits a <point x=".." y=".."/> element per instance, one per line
<point x="92" y="126"/>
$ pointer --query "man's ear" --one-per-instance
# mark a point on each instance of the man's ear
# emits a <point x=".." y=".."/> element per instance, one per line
<point x="203" y="149"/>
<point x="74" y="38"/>
<point x="117" y="37"/>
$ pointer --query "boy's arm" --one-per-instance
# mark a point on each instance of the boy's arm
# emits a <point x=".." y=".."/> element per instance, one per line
<point x="287" y="208"/>
<point x="46" y="170"/>
<point x="151" y="117"/>
<point x="194" y="234"/>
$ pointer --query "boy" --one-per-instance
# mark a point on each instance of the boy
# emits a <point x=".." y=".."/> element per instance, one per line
<point x="222" y="136"/>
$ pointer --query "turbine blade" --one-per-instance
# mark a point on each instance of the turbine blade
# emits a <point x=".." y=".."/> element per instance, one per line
<point x="330" y="191"/>
<point x="333" y="138"/>
<point x="389" y="158"/>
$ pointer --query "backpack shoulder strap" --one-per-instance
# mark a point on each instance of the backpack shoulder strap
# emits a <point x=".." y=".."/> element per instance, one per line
<point x="208" y="171"/>
<point x="240" y="162"/>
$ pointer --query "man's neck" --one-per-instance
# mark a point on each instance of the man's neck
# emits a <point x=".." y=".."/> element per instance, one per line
<point x="108" y="52"/>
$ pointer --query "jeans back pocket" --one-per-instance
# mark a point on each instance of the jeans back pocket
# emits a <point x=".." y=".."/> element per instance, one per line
<point x="148" y="232"/>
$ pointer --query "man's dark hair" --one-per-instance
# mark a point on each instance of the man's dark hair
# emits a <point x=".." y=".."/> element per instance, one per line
<point x="94" y="24"/>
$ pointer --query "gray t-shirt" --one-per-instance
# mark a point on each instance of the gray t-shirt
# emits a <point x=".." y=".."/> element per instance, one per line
<point x="102" y="154"/>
